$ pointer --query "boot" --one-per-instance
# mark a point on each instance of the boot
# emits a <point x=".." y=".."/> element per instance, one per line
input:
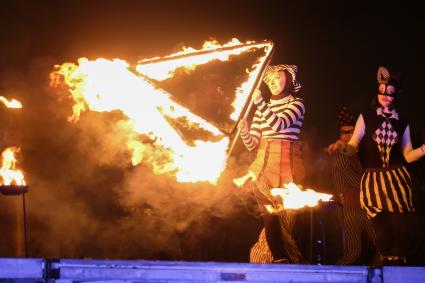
<point x="392" y="260"/>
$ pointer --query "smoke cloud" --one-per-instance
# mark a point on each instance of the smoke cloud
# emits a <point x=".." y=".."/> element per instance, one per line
<point x="86" y="199"/>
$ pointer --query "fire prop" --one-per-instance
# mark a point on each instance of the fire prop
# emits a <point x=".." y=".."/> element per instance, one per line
<point x="11" y="179"/>
<point x="294" y="198"/>
<point x="13" y="103"/>
<point x="107" y="85"/>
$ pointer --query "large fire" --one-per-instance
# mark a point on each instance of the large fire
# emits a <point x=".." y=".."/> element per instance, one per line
<point x="295" y="198"/>
<point x="107" y="85"/>
<point x="190" y="58"/>
<point x="9" y="175"/>
<point x="13" y="103"/>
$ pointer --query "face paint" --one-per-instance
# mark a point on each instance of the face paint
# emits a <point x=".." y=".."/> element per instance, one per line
<point x="276" y="82"/>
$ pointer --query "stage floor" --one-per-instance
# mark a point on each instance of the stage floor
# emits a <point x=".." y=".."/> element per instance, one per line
<point x="75" y="270"/>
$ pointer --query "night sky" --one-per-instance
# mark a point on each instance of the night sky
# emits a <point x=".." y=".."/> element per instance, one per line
<point x="337" y="45"/>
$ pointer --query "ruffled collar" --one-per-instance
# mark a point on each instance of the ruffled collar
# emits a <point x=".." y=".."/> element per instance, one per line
<point x="380" y="112"/>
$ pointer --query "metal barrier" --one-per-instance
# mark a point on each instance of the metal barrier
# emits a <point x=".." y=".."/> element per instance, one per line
<point x="22" y="269"/>
<point x="139" y="271"/>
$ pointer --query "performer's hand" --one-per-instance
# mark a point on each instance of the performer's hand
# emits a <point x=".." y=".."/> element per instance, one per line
<point x="336" y="146"/>
<point x="341" y="198"/>
<point x="243" y="127"/>
<point x="256" y="96"/>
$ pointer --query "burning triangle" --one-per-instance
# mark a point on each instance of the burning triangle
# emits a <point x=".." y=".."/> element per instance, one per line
<point x="188" y="102"/>
<point x="213" y="83"/>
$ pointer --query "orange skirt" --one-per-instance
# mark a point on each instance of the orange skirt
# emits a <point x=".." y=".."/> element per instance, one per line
<point x="278" y="162"/>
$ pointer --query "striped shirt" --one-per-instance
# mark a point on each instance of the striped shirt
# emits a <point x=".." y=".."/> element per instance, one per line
<point x="281" y="118"/>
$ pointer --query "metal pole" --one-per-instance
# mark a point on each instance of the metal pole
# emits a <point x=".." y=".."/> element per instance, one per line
<point x="311" y="235"/>
<point x="25" y="224"/>
<point x="251" y="103"/>
<point x="203" y="52"/>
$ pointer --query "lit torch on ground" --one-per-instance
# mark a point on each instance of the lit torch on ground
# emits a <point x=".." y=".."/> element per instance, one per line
<point x="11" y="179"/>
<point x="12" y="183"/>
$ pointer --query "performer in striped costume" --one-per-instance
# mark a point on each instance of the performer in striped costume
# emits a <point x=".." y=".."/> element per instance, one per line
<point x="275" y="133"/>
<point x="346" y="173"/>
<point x="386" y="185"/>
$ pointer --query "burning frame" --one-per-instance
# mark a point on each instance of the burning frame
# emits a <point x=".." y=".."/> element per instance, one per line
<point x="187" y="103"/>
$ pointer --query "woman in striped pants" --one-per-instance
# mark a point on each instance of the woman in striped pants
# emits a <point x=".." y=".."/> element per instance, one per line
<point x="346" y="173"/>
<point x="386" y="185"/>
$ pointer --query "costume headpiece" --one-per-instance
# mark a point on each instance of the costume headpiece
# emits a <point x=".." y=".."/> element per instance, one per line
<point x="291" y="69"/>
<point x="385" y="79"/>
<point x="344" y="118"/>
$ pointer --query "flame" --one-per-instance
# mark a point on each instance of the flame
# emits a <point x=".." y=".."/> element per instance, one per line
<point x="13" y="103"/>
<point x="8" y="173"/>
<point x="107" y="85"/>
<point x="164" y="69"/>
<point x="294" y="198"/>
<point x="242" y="180"/>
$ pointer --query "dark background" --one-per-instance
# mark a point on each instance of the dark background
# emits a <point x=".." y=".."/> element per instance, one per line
<point x="338" y="46"/>
<point x="92" y="203"/>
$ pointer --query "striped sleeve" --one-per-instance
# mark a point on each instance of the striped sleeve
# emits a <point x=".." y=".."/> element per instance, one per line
<point x="252" y="138"/>
<point x="282" y="118"/>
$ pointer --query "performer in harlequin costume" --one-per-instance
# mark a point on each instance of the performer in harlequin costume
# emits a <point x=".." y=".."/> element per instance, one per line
<point x="386" y="186"/>
<point x="275" y="134"/>
<point x="346" y="173"/>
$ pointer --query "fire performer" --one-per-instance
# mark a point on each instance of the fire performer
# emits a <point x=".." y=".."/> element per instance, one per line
<point x="386" y="185"/>
<point x="275" y="133"/>
<point x="346" y="173"/>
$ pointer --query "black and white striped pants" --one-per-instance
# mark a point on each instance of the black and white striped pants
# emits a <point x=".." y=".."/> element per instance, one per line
<point x="354" y="223"/>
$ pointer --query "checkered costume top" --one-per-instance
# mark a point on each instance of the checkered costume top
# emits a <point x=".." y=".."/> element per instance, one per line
<point x="383" y="133"/>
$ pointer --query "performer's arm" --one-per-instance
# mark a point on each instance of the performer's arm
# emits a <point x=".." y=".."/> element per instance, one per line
<point x="252" y="136"/>
<point x="409" y="153"/>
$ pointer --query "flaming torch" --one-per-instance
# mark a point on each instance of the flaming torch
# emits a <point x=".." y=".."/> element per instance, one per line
<point x="295" y="198"/>
<point x="12" y="180"/>
<point x="12" y="183"/>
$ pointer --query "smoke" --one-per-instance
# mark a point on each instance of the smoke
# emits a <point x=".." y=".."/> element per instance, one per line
<point x="86" y="199"/>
